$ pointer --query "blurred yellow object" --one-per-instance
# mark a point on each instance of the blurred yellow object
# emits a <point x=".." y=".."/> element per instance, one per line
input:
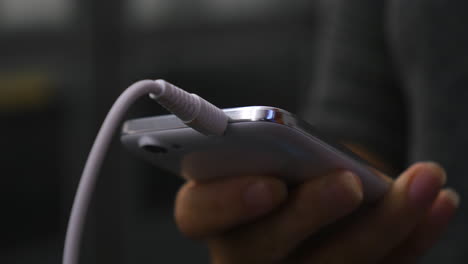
<point x="23" y="91"/>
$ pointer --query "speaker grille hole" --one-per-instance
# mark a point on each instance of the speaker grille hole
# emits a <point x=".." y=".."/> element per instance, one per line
<point x="155" y="149"/>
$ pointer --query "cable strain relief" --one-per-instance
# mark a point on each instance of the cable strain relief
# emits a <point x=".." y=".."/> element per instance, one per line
<point x="193" y="110"/>
<point x="177" y="101"/>
<point x="210" y="121"/>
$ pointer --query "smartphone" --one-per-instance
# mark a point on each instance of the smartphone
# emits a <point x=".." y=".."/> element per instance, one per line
<point x="259" y="140"/>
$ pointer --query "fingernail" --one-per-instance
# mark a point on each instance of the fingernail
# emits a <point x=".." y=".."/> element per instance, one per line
<point x="344" y="189"/>
<point x="453" y="196"/>
<point x="425" y="186"/>
<point x="437" y="166"/>
<point x="258" y="197"/>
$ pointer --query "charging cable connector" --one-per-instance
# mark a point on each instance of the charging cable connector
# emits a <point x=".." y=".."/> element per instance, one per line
<point x="193" y="110"/>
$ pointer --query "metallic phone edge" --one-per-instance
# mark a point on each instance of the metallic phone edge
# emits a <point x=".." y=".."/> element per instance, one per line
<point x="237" y="115"/>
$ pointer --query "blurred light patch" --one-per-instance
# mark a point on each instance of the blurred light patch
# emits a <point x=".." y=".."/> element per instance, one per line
<point x="149" y="13"/>
<point x="146" y="13"/>
<point x="31" y="14"/>
<point x="24" y="91"/>
<point x="228" y="9"/>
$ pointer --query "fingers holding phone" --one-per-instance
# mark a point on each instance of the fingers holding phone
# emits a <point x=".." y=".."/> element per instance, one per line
<point x="282" y="232"/>
<point x="255" y="219"/>
<point x="372" y="236"/>
<point x="209" y="209"/>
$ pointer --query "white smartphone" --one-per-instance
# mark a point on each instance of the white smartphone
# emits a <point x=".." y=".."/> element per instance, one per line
<point x="259" y="140"/>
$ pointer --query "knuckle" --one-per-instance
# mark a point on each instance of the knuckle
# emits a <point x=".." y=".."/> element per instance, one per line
<point x="183" y="212"/>
<point x="186" y="227"/>
<point x="189" y="225"/>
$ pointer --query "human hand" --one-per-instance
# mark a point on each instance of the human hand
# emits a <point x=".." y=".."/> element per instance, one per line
<point x="255" y="220"/>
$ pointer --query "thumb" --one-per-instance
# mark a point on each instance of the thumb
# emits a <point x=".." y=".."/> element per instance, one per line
<point x="204" y="209"/>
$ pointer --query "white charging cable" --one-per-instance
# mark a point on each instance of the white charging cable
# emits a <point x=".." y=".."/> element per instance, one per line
<point x="190" y="108"/>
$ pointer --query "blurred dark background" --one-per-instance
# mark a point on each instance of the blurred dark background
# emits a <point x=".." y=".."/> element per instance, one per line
<point x="64" y="62"/>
